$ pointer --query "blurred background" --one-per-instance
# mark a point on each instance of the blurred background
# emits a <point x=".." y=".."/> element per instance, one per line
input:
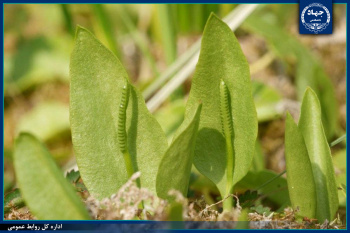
<point x="154" y="42"/>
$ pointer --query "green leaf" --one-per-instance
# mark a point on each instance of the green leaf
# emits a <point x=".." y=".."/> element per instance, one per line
<point x="310" y="137"/>
<point x="97" y="81"/>
<point x="302" y="190"/>
<point x="73" y="176"/>
<point x="46" y="121"/>
<point x="175" y="168"/>
<point x="13" y="200"/>
<point x="262" y="210"/>
<point x="46" y="192"/>
<point x="310" y="125"/>
<point x="221" y="58"/>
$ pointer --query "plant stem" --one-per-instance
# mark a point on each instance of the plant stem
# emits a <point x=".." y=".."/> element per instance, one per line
<point x="229" y="173"/>
<point x="122" y="135"/>
<point x="128" y="163"/>
<point x="227" y="204"/>
<point x="227" y="125"/>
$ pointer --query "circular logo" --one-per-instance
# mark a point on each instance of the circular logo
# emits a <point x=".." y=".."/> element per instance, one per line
<point x="315" y="17"/>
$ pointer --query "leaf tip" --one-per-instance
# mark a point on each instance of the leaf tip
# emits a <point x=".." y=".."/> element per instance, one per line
<point x="289" y="121"/>
<point x="80" y="31"/>
<point x="310" y="92"/>
<point x="23" y="135"/>
<point x="310" y="96"/>
<point x="213" y="17"/>
<point x="288" y="116"/>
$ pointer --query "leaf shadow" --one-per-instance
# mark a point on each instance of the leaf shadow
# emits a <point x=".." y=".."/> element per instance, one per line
<point x="323" y="205"/>
<point x="132" y="132"/>
<point x="210" y="154"/>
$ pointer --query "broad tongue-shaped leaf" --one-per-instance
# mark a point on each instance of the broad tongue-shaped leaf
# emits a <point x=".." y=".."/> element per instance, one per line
<point x="45" y="190"/>
<point x="97" y="81"/>
<point x="221" y="58"/>
<point x="301" y="185"/>
<point x="175" y="168"/>
<point x="310" y="125"/>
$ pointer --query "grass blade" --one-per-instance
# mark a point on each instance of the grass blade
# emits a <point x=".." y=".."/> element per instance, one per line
<point x="167" y="32"/>
<point x="106" y="26"/>
<point x="67" y="18"/>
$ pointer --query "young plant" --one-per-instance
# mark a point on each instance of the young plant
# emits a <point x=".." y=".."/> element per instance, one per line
<point x="114" y="135"/>
<point x="45" y="191"/>
<point x="113" y="132"/>
<point x="310" y="173"/>
<point x="228" y="122"/>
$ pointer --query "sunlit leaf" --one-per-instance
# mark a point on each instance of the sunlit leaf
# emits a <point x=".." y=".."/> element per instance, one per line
<point x="221" y="58"/>
<point x="97" y="81"/>
<point x="310" y="139"/>
<point x="310" y="125"/>
<point x="302" y="190"/>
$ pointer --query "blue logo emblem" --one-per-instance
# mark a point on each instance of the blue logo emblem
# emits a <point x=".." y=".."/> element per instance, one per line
<point x="316" y="18"/>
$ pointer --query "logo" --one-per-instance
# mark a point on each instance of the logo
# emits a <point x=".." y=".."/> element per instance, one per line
<point x="316" y="18"/>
